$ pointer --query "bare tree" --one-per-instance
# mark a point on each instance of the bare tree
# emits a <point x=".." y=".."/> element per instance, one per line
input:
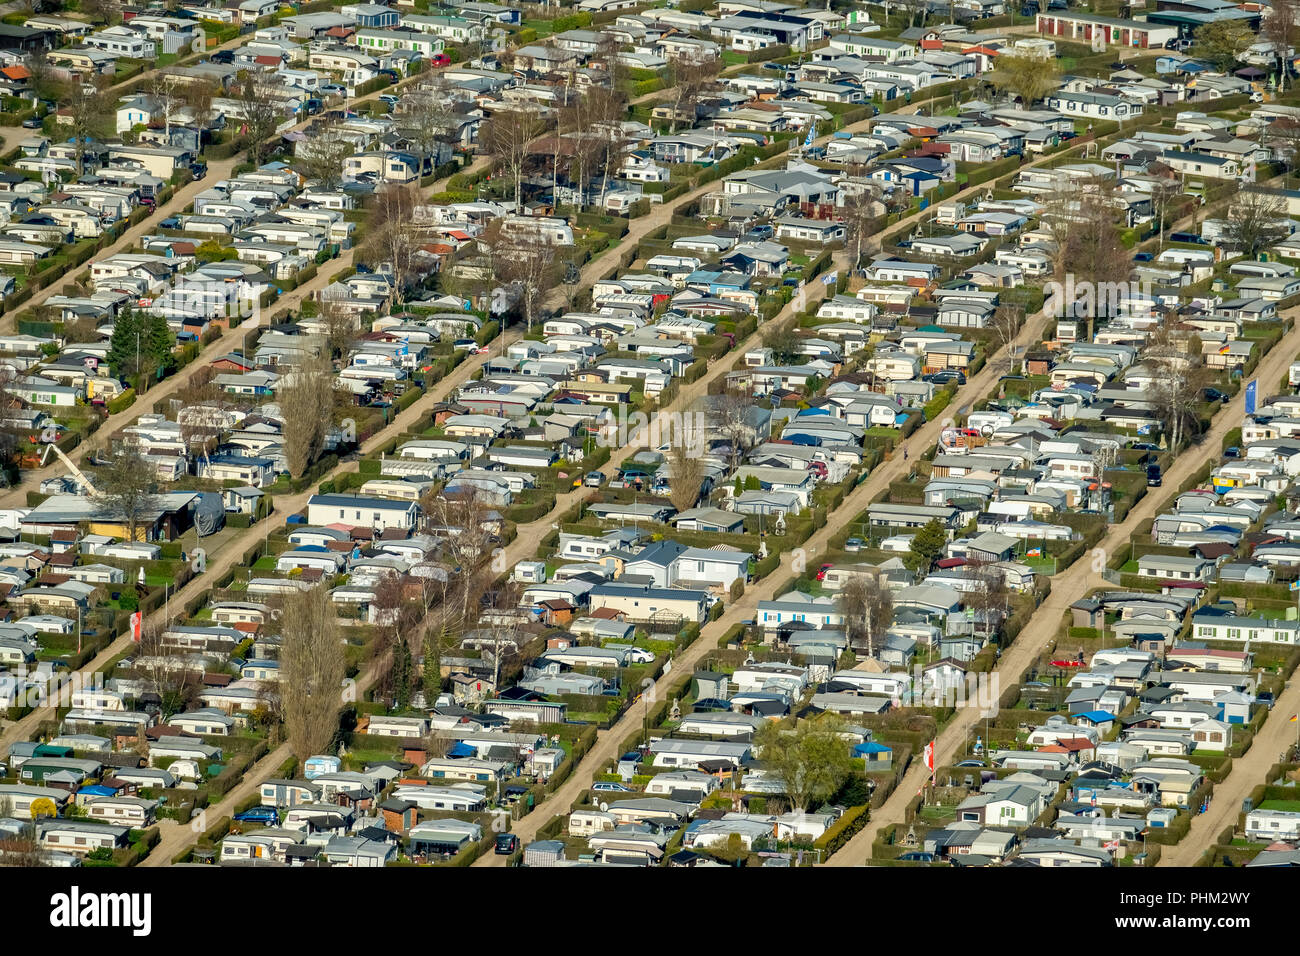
<point x="861" y="224"/>
<point x="529" y="260"/>
<point x="322" y="155"/>
<point x="730" y="417"/>
<point x="166" y="97"/>
<point x="202" y="425"/>
<point x="1165" y="194"/>
<point x="339" y="324"/>
<point x="688" y="473"/>
<point x="198" y="96"/>
<point x="89" y="115"/>
<point x="692" y="77"/>
<point x="393" y="236"/>
<point x="608" y="109"/>
<point x="1004" y="326"/>
<point x="312" y="666"/>
<point x="128" y="490"/>
<point x="506" y="136"/>
<point x="1279" y="29"/>
<point x="305" y="397"/>
<point x="166" y="670"/>
<point x="395" y="616"/>
<point x="461" y="518"/>
<point x="1176" y="384"/>
<point x="1089" y="245"/>
<point x="427" y="118"/>
<point x="991" y="598"/>
<point x="868" y="609"/>
<point x="1256" y="219"/>
<point x="505" y="630"/>
<point x="261" y="111"/>
<point x="24" y="848"/>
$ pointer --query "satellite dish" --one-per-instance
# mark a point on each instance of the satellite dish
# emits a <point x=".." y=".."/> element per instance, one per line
<point x="604" y="807"/>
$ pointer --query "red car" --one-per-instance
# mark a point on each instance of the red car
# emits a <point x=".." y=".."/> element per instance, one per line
<point x="439" y="59"/>
<point x="821" y="572"/>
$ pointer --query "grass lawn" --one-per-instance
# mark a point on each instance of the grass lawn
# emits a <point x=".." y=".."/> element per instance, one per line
<point x="1275" y="613"/>
<point x="938" y="814"/>
<point x="544" y="28"/>
<point x="1291" y="806"/>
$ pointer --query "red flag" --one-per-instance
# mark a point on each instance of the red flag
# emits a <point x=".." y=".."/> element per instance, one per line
<point x="929" y="756"/>
<point x="135" y="627"/>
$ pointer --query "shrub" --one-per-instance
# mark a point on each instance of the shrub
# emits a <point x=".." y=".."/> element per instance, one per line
<point x="842" y="830"/>
<point x="122" y="402"/>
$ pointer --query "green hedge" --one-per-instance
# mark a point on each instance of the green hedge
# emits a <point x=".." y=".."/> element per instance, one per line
<point x="122" y="402"/>
<point x="843" y="830"/>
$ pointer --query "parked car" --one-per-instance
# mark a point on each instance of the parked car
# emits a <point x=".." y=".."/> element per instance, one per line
<point x="593" y="479"/>
<point x="1233" y="452"/>
<point x="761" y="231"/>
<point x="1154" y="479"/>
<point x="821" y="572"/>
<point x="607" y="787"/>
<point x="465" y="344"/>
<point x="917" y="856"/>
<point x="198" y="170"/>
<point x="1214" y="395"/>
<point x="1264" y="697"/>
<point x="506" y="843"/>
<point x="33" y="122"/>
<point x="1143" y="257"/>
<point x="224" y="56"/>
<point x="948" y="375"/>
<point x="171" y="222"/>
<point x="267" y="815"/>
<point x="391" y="74"/>
<point x="639" y="655"/>
<point x="439" y="60"/>
<point x="1188" y="237"/>
<point x="853" y="545"/>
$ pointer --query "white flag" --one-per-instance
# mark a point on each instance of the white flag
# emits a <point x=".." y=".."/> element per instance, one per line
<point x="929" y="756"/>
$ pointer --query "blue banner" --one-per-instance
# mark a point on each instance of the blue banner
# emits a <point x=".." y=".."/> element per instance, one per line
<point x="1250" y="398"/>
